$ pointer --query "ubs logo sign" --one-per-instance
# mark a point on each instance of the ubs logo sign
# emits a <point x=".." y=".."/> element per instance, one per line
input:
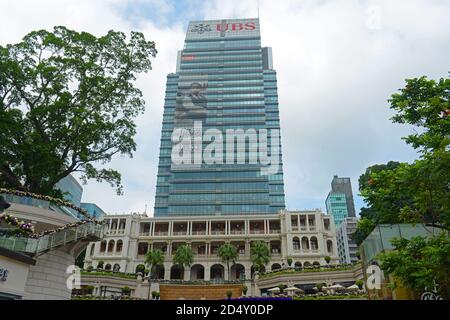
<point x="202" y="28"/>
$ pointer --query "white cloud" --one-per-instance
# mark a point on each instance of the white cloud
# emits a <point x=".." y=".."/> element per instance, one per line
<point x="337" y="64"/>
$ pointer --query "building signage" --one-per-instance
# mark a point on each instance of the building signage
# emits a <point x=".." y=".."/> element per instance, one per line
<point x="202" y="28"/>
<point x="3" y="274"/>
<point x="223" y="28"/>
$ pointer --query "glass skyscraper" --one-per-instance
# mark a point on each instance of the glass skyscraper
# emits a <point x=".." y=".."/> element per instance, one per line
<point x="224" y="90"/>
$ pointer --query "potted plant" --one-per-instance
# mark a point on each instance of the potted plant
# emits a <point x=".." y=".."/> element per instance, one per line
<point x="289" y="261"/>
<point x="327" y="259"/>
<point x="100" y="264"/>
<point x="360" y="284"/>
<point x="155" y="295"/>
<point x="244" y="290"/>
<point x="126" y="291"/>
<point x="229" y="294"/>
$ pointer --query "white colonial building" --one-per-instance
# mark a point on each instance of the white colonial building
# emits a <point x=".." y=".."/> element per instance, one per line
<point x="306" y="237"/>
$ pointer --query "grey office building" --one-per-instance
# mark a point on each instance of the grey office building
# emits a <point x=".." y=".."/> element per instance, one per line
<point x="224" y="81"/>
<point x="344" y="186"/>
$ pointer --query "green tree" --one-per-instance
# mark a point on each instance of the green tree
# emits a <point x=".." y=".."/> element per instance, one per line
<point x="153" y="259"/>
<point x="228" y="253"/>
<point x="79" y="261"/>
<point x="68" y="104"/>
<point x="420" y="263"/>
<point x="416" y="192"/>
<point x="259" y="254"/>
<point x="184" y="256"/>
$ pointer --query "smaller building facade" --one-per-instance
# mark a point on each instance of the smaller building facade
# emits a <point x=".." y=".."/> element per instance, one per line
<point x="337" y="207"/>
<point x="306" y="237"/>
<point x="72" y="189"/>
<point x="93" y="210"/>
<point x="347" y="248"/>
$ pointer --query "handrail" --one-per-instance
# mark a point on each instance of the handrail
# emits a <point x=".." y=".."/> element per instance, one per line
<point x="52" y="240"/>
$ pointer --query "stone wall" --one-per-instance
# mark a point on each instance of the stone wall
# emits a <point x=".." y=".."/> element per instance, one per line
<point x="47" y="279"/>
<point x="198" y="292"/>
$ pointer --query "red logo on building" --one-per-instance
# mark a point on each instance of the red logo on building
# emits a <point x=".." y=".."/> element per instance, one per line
<point x="237" y="26"/>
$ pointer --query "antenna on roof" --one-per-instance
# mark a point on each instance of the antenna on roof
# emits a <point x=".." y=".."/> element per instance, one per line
<point x="257" y="4"/>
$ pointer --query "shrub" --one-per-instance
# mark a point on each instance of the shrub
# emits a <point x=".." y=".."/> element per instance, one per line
<point x="289" y="261"/>
<point x="360" y="284"/>
<point x="126" y="291"/>
<point x="244" y="290"/>
<point x="229" y="294"/>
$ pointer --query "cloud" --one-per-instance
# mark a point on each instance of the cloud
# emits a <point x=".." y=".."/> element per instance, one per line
<point x="337" y="64"/>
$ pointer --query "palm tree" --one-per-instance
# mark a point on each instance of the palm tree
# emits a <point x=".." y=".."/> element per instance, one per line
<point x="153" y="259"/>
<point x="228" y="253"/>
<point x="259" y="254"/>
<point x="184" y="256"/>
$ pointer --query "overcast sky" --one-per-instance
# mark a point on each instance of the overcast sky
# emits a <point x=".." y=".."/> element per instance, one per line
<point x="337" y="63"/>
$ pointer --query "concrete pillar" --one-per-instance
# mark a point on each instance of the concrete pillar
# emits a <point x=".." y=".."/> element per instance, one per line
<point x="207" y="273"/>
<point x="187" y="273"/>
<point x="167" y="271"/>
<point x="248" y="272"/>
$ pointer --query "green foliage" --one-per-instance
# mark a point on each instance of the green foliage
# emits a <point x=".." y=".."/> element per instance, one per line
<point x="420" y="263"/>
<point x="416" y="192"/>
<point x="229" y="294"/>
<point x="228" y="253"/>
<point x="360" y="284"/>
<point x="155" y="294"/>
<point x="100" y="264"/>
<point x="259" y="254"/>
<point x="184" y="256"/>
<point x="79" y="261"/>
<point x="67" y="103"/>
<point x="140" y="268"/>
<point x="320" y="285"/>
<point x="289" y="261"/>
<point x="154" y="258"/>
<point x="244" y="290"/>
<point x="126" y="291"/>
<point x="327" y="259"/>
<point x="424" y="104"/>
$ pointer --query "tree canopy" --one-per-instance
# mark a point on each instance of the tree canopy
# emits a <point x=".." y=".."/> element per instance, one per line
<point x="416" y="192"/>
<point x="68" y="104"/>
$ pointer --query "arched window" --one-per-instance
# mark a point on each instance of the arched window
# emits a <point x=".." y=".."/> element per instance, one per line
<point x="314" y="243"/>
<point x="330" y="246"/>
<point x="111" y="245"/>
<point x="119" y="246"/>
<point x="108" y="267"/>
<point x="298" y="265"/>
<point x="275" y="266"/>
<point x="116" y="267"/>
<point x="92" y="249"/>
<point x="103" y="246"/>
<point x="296" y="243"/>
<point x="305" y="243"/>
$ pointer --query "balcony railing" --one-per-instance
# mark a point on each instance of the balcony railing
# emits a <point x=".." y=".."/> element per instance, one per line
<point x="215" y="232"/>
<point x="56" y="239"/>
<point x="272" y="231"/>
<point x="180" y="233"/>
<point x="199" y="232"/>
<point x="237" y="231"/>
<point x="256" y="231"/>
<point x="160" y="233"/>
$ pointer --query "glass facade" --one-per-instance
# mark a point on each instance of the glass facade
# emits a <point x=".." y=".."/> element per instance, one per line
<point x="224" y="83"/>
<point x="337" y="207"/>
<point x="71" y="189"/>
<point x="93" y="210"/>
